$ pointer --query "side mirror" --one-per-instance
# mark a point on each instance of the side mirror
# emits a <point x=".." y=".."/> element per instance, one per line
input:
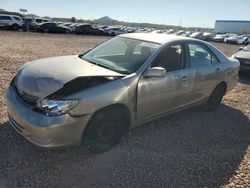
<point x="241" y="48"/>
<point x="155" y="72"/>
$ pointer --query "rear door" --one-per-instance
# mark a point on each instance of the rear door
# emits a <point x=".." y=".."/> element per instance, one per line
<point x="205" y="70"/>
<point x="5" y="21"/>
<point x="158" y="95"/>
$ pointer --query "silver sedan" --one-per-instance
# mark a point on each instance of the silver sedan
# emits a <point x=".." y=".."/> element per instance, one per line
<point x="94" y="98"/>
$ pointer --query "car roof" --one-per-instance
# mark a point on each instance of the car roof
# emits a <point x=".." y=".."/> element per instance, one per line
<point x="10" y="15"/>
<point x="155" y="37"/>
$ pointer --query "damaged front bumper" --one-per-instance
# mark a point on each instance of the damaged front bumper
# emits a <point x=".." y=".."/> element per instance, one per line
<point x="42" y="130"/>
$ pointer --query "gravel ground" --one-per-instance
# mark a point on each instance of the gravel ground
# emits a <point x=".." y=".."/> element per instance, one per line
<point x="193" y="148"/>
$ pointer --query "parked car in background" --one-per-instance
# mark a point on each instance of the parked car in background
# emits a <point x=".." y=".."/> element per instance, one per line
<point x="156" y="31"/>
<point x="11" y="22"/>
<point x="94" y="98"/>
<point x="243" y="55"/>
<point x="37" y="21"/>
<point x="130" y="30"/>
<point x="52" y="27"/>
<point x="113" y="31"/>
<point x="71" y="26"/>
<point x="236" y="40"/>
<point x="197" y="35"/>
<point x="88" y="29"/>
<point x="248" y="39"/>
<point x="219" y="37"/>
<point x="179" y="32"/>
<point x="170" y="31"/>
<point x="186" y="34"/>
<point x="207" y="36"/>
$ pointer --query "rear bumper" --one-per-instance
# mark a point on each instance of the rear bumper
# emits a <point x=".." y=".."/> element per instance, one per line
<point x="42" y="130"/>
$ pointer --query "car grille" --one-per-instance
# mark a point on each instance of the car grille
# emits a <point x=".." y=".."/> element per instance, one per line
<point x="30" y="99"/>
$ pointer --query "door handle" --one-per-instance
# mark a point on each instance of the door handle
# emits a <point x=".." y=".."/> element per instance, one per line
<point x="184" y="78"/>
<point x="217" y="70"/>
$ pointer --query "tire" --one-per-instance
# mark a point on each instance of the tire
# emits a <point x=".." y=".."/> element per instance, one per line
<point x="46" y="30"/>
<point x="215" y="98"/>
<point x="104" y="130"/>
<point x="15" y="27"/>
<point x="112" y="34"/>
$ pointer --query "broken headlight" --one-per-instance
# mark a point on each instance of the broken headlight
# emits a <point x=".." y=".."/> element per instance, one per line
<point x="53" y="107"/>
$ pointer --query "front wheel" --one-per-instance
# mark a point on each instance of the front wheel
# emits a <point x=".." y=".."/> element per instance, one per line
<point x="104" y="130"/>
<point x="15" y="27"/>
<point x="215" y="98"/>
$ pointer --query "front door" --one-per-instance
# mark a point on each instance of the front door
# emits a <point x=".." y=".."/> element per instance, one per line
<point x="158" y="95"/>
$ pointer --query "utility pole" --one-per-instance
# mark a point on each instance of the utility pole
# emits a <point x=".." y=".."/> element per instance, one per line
<point x="23" y="11"/>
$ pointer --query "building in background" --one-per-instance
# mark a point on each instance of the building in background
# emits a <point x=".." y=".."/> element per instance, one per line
<point x="234" y="26"/>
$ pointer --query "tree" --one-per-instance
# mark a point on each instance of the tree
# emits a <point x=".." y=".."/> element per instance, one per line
<point x="73" y="19"/>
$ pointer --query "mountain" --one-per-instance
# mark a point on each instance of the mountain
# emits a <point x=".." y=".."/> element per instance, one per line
<point x="106" y="21"/>
<point x="30" y="15"/>
<point x="2" y="11"/>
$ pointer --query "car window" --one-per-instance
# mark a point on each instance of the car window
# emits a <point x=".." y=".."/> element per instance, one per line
<point x="214" y="59"/>
<point x="199" y="55"/>
<point x="5" y="18"/>
<point x="171" y="59"/>
<point x="16" y="18"/>
<point x="39" y="20"/>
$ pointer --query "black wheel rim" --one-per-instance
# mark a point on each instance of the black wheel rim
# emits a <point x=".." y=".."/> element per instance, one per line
<point x="106" y="131"/>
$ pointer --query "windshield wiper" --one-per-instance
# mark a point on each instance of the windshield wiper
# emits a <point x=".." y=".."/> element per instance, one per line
<point x="105" y="66"/>
<point x="85" y="59"/>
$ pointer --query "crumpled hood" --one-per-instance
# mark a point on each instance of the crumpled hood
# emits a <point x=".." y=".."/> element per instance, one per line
<point x="43" y="77"/>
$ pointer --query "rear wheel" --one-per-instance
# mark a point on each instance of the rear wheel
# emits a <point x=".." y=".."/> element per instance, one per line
<point x="216" y="97"/>
<point x="104" y="130"/>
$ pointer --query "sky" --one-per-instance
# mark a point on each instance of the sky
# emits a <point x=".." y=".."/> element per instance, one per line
<point x="192" y="13"/>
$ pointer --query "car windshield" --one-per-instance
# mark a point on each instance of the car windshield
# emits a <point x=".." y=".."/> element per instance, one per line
<point x="246" y="48"/>
<point x="121" y="54"/>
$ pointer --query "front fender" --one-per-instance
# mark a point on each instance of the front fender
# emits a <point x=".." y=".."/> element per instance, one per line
<point x="121" y="91"/>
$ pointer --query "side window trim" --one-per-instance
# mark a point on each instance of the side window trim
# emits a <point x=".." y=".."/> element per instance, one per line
<point x="214" y="56"/>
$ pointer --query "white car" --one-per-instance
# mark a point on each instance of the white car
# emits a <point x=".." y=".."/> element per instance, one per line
<point x="11" y="21"/>
<point x="37" y="21"/>
<point x="236" y="40"/>
<point x="113" y="31"/>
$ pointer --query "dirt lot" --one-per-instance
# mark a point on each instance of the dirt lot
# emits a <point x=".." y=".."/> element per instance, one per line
<point x="193" y="148"/>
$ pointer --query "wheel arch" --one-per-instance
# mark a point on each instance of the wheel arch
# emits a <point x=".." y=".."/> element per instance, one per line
<point x="117" y="106"/>
<point x="223" y="84"/>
